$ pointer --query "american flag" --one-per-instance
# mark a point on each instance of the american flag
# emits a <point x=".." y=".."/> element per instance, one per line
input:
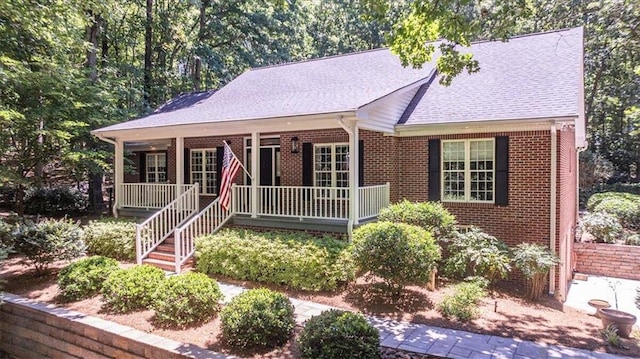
<point x="230" y="166"/>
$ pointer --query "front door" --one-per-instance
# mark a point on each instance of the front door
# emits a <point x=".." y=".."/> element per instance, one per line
<point x="269" y="161"/>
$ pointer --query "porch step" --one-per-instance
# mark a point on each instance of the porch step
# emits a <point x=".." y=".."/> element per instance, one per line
<point x="168" y="266"/>
<point x="164" y="256"/>
<point x="167" y="248"/>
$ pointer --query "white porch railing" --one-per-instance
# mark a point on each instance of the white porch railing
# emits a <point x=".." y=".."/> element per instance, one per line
<point x="310" y="202"/>
<point x="372" y="200"/>
<point x="207" y="221"/>
<point x="154" y="230"/>
<point x="148" y="195"/>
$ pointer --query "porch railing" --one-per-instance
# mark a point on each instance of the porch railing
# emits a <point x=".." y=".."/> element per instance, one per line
<point x="372" y="200"/>
<point x="149" y="195"/>
<point x="207" y="221"/>
<point x="154" y="230"/>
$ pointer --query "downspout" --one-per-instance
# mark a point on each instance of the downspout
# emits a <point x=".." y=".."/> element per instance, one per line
<point x="553" y="200"/>
<point x="353" y="175"/>
<point x="115" y="195"/>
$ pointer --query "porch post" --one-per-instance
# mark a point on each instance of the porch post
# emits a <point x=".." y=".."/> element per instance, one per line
<point x="179" y="164"/>
<point x="354" y="176"/>
<point x="119" y="175"/>
<point x="255" y="172"/>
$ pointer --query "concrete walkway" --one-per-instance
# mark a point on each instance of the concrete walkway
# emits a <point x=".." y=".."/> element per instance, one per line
<point x="445" y="343"/>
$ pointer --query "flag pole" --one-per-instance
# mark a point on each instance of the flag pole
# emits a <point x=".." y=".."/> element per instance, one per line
<point x="239" y="162"/>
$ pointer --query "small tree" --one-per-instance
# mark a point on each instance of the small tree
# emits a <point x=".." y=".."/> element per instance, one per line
<point x="534" y="262"/>
<point x="431" y="216"/>
<point x="399" y="253"/>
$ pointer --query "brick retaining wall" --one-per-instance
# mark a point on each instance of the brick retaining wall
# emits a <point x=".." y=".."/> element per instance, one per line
<point x="613" y="260"/>
<point x="30" y="329"/>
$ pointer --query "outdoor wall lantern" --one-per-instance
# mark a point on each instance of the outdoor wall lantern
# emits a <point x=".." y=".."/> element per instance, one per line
<point x="295" y="144"/>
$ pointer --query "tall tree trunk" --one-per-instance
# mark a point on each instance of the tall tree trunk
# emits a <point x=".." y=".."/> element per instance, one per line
<point x="197" y="75"/>
<point x="148" y="48"/>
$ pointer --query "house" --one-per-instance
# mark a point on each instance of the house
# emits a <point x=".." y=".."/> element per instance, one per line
<point x="341" y="137"/>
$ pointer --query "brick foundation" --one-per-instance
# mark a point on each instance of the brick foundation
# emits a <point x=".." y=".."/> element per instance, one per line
<point x="612" y="260"/>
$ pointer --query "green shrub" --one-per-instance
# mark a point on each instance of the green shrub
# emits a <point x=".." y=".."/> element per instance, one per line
<point x="476" y="253"/>
<point x="602" y="226"/>
<point x="84" y="278"/>
<point x="431" y="216"/>
<point x="624" y="206"/>
<point x="54" y="201"/>
<point x="186" y="299"/>
<point x="114" y="239"/>
<point x="534" y="262"/>
<point x="131" y="289"/>
<point x="463" y="303"/>
<point x="296" y="260"/>
<point x="6" y="234"/>
<point x="401" y="254"/>
<point x="335" y="334"/>
<point x="633" y="240"/>
<point x="257" y="318"/>
<point x="48" y="241"/>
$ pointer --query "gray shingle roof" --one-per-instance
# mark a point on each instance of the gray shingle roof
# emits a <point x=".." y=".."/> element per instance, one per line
<point x="530" y="76"/>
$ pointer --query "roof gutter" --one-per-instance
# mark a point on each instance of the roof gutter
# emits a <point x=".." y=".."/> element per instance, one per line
<point x="105" y="139"/>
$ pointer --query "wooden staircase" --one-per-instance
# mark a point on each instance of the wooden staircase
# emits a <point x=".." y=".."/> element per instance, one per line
<point x="163" y="256"/>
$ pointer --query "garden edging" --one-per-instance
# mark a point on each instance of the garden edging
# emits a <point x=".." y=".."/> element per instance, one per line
<point x="30" y="329"/>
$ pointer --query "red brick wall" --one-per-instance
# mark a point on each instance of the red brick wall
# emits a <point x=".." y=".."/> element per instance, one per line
<point x="612" y="260"/>
<point x="566" y="202"/>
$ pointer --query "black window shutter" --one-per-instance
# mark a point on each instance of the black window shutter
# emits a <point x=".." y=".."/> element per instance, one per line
<point x="166" y="166"/>
<point x="143" y="166"/>
<point x="219" y="158"/>
<point x="361" y="163"/>
<point x="187" y="166"/>
<point x="434" y="170"/>
<point x="502" y="171"/>
<point x="307" y="164"/>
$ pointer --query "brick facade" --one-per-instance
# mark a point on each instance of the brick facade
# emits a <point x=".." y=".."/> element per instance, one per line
<point x="612" y="260"/>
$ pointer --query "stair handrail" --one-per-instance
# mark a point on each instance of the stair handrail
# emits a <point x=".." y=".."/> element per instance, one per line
<point x="207" y="221"/>
<point x="155" y="229"/>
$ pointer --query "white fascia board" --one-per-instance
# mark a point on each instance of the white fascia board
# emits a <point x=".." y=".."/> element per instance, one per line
<point x="226" y="128"/>
<point x="534" y="124"/>
<point x="362" y="110"/>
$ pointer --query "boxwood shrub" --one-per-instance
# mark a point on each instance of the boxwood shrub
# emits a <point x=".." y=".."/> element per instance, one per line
<point x="603" y="226"/>
<point x="84" y="278"/>
<point x="463" y="303"/>
<point x="131" y="289"/>
<point x="54" y="201"/>
<point x="431" y="216"/>
<point x="624" y="206"/>
<point x="111" y="238"/>
<point x="186" y="299"/>
<point x="335" y="334"/>
<point x="257" y="318"/>
<point x="297" y="260"/>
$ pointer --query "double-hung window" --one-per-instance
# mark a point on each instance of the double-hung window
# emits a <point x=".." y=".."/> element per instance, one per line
<point x="331" y="166"/>
<point x="156" y="167"/>
<point x="203" y="169"/>
<point x="468" y="170"/>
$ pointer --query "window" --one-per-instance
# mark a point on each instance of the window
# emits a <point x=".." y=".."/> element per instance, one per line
<point x="468" y="170"/>
<point x="203" y="170"/>
<point x="156" y="167"/>
<point x="331" y="165"/>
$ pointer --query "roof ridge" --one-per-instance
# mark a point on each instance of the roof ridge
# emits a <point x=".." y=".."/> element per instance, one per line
<point x="526" y="35"/>
<point x="318" y="59"/>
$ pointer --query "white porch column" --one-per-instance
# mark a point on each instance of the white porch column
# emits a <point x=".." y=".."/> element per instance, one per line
<point x="354" y="176"/>
<point x="179" y="164"/>
<point x="255" y="172"/>
<point x="119" y="175"/>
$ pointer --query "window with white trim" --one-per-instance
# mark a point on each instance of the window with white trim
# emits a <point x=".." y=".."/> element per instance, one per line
<point x="203" y="169"/>
<point x="468" y="170"/>
<point x="331" y="165"/>
<point x="156" y="167"/>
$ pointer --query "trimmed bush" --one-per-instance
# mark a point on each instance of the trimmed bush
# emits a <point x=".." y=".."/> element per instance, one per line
<point x="624" y="206"/>
<point x="48" y="241"/>
<point x="335" y="334"/>
<point x="477" y="254"/>
<point x="131" y="289"/>
<point x="602" y="226"/>
<point x="54" y="201"/>
<point x="534" y="262"/>
<point x="84" y="278"/>
<point x="633" y="240"/>
<point x="431" y="216"/>
<point x="297" y="260"/>
<point x="111" y="238"/>
<point x="463" y="303"/>
<point x="401" y="254"/>
<point x="257" y="318"/>
<point x="186" y="299"/>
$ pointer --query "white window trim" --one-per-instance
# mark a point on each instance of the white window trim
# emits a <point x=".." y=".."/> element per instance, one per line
<point x="154" y="158"/>
<point x="334" y="172"/>
<point x="467" y="171"/>
<point x="203" y="185"/>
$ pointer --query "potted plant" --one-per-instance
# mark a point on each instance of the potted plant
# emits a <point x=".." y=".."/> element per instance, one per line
<point x="623" y="321"/>
<point x="534" y="262"/>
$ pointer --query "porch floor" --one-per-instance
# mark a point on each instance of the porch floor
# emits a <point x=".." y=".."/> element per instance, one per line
<point x="298" y="224"/>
